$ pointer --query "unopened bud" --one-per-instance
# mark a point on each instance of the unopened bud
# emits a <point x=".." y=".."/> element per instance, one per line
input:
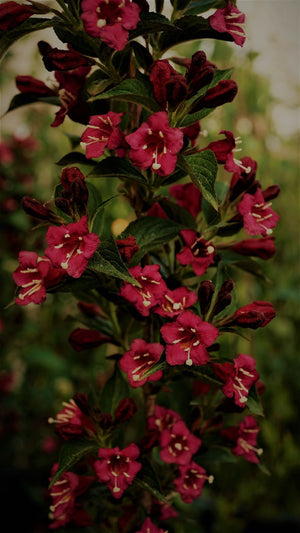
<point x="29" y="84"/>
<point x="205" y="294"/>
<point x="37" y="210"/>
<point x="125" y="410"/>
<point x="271" y="192"/>
<point x="224" y="92"/>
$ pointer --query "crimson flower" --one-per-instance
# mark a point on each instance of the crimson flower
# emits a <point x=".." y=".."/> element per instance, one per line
<point x="155" y="144"/>
<point x="238" y="376"/>
<point x="71" y="422"/>
<point x="71" y="246"/>
<point x="187" y="339"/>
<point x="117" y="468"/>
<point x="198" y="253"/>
<point x="162" y="418"/>
<point x="140" y="358"/>
<point x="244" y="178"/>
<point x="224" y="152"/>
<point x="102" y="132"/>
<point x="168" y="86"/>
<point x="246" y="440"/>
<point x="85" y="339"/>
<point x="34" y="275"/>
<point x="152" y="288"/>
<point x="149" y="527"/>
<point x="190" y="482"/>
<point x="228" y="20"/>
<point x="29" y="84"/>
<point x="188" y="196"/>
<point x="127" y="248"/>
<point x="263" y="247"/>
<point x="110" y="20"/>
<point x="64" y="492"/>
<point x="258" y="217"/>
<point x="12" y="14"/>
<point x="192" y="133"/>
<point x="178" y="444"/>
<point x="71" y="83"/>
<point x="174" y="302"/>
<point x="55" y="59"/>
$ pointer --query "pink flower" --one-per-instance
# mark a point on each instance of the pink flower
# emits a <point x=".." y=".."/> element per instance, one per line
<point x="258" y="216"/>
<point x="254" y="315"/>
<point x="244" y="178"/>
<point x="155" y="144"/>
<point x="162" y="418"/>
<point x="178" y="444"/>
<point x="72" y="422"/>
<point x="198" y="253"/>
<point x="64" y="492"/>
<point x="103" y="131"/>
<point x="263" y="247"/>
<point x="238" y="376"/>
<point x="151" y="290"/>
<point x="71" y="246"/>
<point x="34" y="275"/>
<point x="228" y="20"/>
<point x="149" y="527"/>
<point x="188" y="196"/>
<point x="174" y="302"/>
<point x="246" y="442"/>
<point x="224" y="152"/>
<point x="140" y="358"/>
<point x="110" y="20"/>
<point x="117" y="468"/>
<point x="187" y="339"/>
<point x="190" y="482"/>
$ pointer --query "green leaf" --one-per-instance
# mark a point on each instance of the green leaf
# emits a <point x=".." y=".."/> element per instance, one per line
<point x="200" y="6"/>
<point x="71" y="452"/>
<point x="155" y="368"/>
<point x="74" y="158"/>
<point x="8" y="37"/>
<point x="253" y="402"/>
<point x="97" y="82"/>
<point x="131" y="90"/>
<point x="116" y="167"/>
<point x="149" y="233"/>
<point x="248" y="265"/>
<point x="151" y="23"/>
<point x="21" y="99"/>
<point x="79" y="40"/>
<point x="211" y="216"/>
<point x="114" y="390"/>
<point x="94" y="199"/>
<point x="142" y="55"/>
<point x="97" y="219"/>
<point x="216" y="454"/>
<point x="195" y="117"/>
<point x="203" y="373"/>
<point x="107" y="260"/>
<point x="202" y="169"/>
<point x="178" y="214"/>
<point x="147" y="479"/>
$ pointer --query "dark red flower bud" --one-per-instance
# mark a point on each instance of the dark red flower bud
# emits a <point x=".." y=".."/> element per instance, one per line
<point x="12" y="14"/>
<point x="224" y="297"/>
<point x="224" y="92"/>
<point x="271" y="192"/>
<point x="205" y="294"/>
<point x="85" y="339"/>
<point x="176" y="90"/>
<point x="192" y="132"/>
<point x="64" y="205"/>
<point x="69" y="175"/>
<point x="125" y="410"/>
<point x="105" y="421"/>
<point x="149" y="440"/>
<point x="28" y="84"/>
<point x="55" y="59"/>
<point x="160" y="73"/>
<point x="200" y="73"/>
<point x="127" y="248"/>
<point x="82" y="402"/>
<point x="89" y="310"/>
<point x="37" y="210"/>
<point x="263" y="247"/>
<point x="255" y="315"/>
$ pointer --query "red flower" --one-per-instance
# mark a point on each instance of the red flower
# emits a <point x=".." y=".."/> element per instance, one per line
<point x="190" y="482"/>
<point x="152" y="288"/>
<point x="178" y="444"/>
<point x="125" y="410"/>
<point x="155" y="144"/>
<point x="198" y="253"/>
<point x="55" y="59"/>
<point x="72" y="422"/>
<point x="86" y="339"/>
<point x="71" y="84"/>
<point x="127" y="248"/>
<point x="224" y="152"/>
<point x="64" y="492"/>
<point x="28" y="84"/>
<point x="187" y="339"/>
<point x="188" y="196"/>
<point x="117" y="468"/>
<point x="258" y="216"/>
<point x="71" y="246"/>
<point x="149" y="527"/>
<point x="246" y="441"/>
<point x="254" y="315"/>
<point x="192" y="133"/>
<point x="12" y="14"/>
<point x="140" y="358"/>
<point x="200" y="72"/>
<point x="244" y="178"/>
<point x="263" y="248"/>
<point x="110" y="20"/>
<point x="174" y="302"/>
<point x="163" y="418"/>
<point x="103" y="131"/>
<point x="224" y="92"/>
<point x="160" y="73"/>
<point x="228" y="20"/>
<point x="238" y="376"/>
<point x="34" y="275"/>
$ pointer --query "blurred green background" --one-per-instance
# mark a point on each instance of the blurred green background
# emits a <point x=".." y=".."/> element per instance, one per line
<point x="39" y="369"/>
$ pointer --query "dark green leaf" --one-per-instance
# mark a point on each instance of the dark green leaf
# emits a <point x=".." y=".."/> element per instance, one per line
<point x="200" y="6"/>
<point x="253" y="402"/>
<point x="97" y="220"/>
<point x="107" y="260"/>
<point x="21" y="99"/>
<point x="155" y="368"/>
<point x="114" y="390"/>
<point x="151" y="232"/>
<point x="75" y="158"/>
<point x="97" y="82"/>
<point x="147" y="479"/>
<point x="116" y="167"/>
<point x="142" y="55"/>
<point x="94" y="199"/>
<point x="178" y="214"/>
<point x="79" y="40"/>
<point x="202" y="169"/>
<point x="211" y="216"/>
<point x="203" y="373"/>
<point x="177" y="175"/>
<point x="151" y="23"/>
<point x="134" y="91"/>
<point x="195" y="117"/>
<point x="71" y="452"/>
<point x="216" y="454"/>
<point x="226" y="229"/>
<point x="8" y="37"/>
<point x="248" y="265"/>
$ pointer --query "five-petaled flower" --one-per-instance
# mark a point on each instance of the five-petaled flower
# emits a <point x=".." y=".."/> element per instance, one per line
<point x="198" y="252"/>
<point x="34" y="275"/>
<point x="117" y="468"/>
<point x="140" y="358"/>
<point x="258" y="217"/>
<point x="174" y="302"/>
<point x="72" y="422"/>
<point x="71" y="246"/>
<point x="152" y="287"/>
<point x="103" y="131"/>
<point x="162" y="418"/>
<point x="155" y="144"/>
<point x="178" y="444"/>
<point x="228" y="20"/>
<point x="238" y="377"/>
<point x="187" y="339"/>
<point x="110" y="20"/>
<point x="190" y="482"/>
<point x="244" y="437"/>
